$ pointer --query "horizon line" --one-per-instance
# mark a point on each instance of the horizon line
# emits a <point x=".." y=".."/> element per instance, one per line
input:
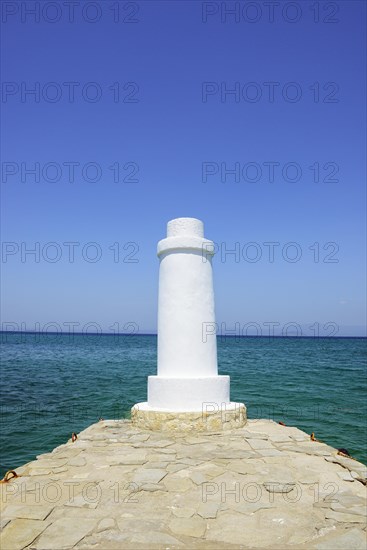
<point x="155" y="334"/>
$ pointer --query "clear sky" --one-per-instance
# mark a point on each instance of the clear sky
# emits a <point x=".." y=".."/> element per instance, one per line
<point x="253" y="121"/>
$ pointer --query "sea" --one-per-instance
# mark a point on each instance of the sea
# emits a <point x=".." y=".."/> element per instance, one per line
<point x="56" y="384"/>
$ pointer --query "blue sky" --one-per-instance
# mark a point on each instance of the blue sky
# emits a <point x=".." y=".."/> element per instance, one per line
<point x="173" y="131"/>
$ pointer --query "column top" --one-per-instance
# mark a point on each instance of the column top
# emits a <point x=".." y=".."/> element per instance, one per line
<point x="186" y="234"/>
<point x="185" y="227"/>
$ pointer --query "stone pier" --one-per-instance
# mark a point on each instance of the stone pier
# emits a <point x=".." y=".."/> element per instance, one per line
<point x="121" y="487"/>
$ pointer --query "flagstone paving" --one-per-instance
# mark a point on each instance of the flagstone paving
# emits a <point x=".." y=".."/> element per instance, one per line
<point x="119" y="487"/>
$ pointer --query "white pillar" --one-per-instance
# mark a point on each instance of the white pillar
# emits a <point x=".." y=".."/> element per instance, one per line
<point x="187" y="395"/>
<point x="187" y="349"/>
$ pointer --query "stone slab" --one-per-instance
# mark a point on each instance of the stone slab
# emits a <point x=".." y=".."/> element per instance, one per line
<point x="64" y="533"/>
<point x="21" y="532"/>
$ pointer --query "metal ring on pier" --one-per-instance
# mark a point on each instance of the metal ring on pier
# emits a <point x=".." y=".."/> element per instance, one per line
<point x="7" y="477"/>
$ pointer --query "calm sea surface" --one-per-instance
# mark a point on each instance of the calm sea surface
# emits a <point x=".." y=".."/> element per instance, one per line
<point x="54" y="385"/>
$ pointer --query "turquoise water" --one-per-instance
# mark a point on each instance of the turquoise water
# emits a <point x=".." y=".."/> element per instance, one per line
<point x="53" y="385"/>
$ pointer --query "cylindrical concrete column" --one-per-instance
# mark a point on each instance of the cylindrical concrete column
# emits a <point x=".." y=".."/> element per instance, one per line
<point x="187" y="346"/>
<point x="187" y="373"/>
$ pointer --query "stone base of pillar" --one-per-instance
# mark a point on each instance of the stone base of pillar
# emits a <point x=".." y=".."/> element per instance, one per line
<point x="228" y="416"/>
